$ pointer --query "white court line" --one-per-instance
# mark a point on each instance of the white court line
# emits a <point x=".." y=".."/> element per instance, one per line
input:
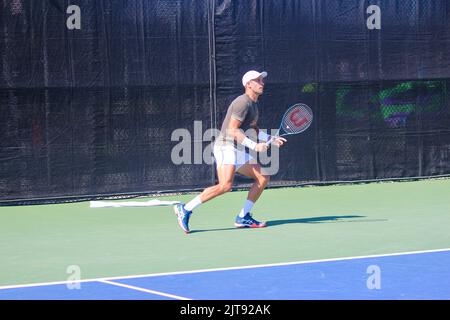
<point x="222" y="269"/>
<point x="159" y="293"/>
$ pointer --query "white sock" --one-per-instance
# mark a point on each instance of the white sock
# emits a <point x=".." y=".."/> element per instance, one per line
<point x="194" y="203"/>
<point x="247" y="207"/>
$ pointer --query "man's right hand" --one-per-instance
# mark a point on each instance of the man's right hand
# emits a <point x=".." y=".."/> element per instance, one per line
<point x="262" y="146"/>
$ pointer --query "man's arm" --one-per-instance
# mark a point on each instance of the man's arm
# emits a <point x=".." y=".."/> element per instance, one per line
<point x="234" y="130"/>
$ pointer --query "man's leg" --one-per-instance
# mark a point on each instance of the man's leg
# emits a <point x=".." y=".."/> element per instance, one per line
<point x="225" y="173"/>
<point x="261" y="180"/>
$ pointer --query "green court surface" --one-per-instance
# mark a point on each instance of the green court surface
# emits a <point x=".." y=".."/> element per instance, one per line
<point x="39" y="243"/>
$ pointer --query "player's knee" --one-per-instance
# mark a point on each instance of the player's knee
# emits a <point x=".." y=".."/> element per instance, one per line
<point x="263" y="179"/>
<point x="225" y="187"/>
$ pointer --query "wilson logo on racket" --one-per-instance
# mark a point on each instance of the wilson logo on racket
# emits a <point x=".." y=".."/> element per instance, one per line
<point x="295" y="120"/>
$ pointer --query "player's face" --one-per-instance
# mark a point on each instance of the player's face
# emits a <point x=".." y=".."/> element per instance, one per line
<point x="257" y="85"/>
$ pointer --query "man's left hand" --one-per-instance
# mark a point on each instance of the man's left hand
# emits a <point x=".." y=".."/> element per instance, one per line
<point x="278" y="141"/>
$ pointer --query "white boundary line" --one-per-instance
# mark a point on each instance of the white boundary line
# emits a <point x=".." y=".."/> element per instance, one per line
<point x="159" y="293"/>
<point x="72" y="282"/>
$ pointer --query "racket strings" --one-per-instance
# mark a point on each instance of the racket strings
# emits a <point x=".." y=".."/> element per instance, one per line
<point x="297" y="119"/>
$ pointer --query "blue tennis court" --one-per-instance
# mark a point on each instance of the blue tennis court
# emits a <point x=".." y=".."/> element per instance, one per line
<point x="412" y="275"/>
<point x="225" y="150"/>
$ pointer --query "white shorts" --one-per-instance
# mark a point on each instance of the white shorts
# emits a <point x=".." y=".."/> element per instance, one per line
<point x="227" y="154"/>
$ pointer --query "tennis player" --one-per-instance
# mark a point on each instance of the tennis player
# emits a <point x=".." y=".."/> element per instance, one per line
<point x="242" y="114"/>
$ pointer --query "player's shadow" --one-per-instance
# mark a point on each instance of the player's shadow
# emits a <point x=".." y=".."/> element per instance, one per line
<point x="323" y="219"/>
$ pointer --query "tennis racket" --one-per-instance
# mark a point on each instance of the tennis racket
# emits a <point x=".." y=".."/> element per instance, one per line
<point x="295" y="120"/>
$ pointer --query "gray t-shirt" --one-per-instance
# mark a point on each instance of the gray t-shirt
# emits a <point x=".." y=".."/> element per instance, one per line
<point x="243" y="109"/>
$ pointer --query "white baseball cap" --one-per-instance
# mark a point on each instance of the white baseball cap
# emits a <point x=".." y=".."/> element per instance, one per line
<point x="251" y="75"/>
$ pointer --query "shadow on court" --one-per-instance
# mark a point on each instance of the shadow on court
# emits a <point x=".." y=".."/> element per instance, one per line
<point x="324" y="219"/>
